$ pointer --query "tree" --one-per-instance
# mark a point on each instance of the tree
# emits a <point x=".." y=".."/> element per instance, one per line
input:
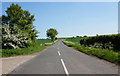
<point x="16" y="16"/>
<point x="96" y="34"/>
<point x="77" y="36"/>
<point x="85" y="36"/>
<point x="51" y="33"/>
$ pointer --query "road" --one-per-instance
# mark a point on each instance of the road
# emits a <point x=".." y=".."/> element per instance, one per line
<point x="60" y="59"/>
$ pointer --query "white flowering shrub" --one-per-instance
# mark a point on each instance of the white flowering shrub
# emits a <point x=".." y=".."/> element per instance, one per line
<point x="13" y="37"/>
<point x="104" y="46"/>
<point x="108" y="45"/>
<point x="98" y="45"/>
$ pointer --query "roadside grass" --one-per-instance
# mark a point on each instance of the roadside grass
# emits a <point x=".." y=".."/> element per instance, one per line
<point x="41" y="45"/>
<point x="105" y="54"/>
<point x="22" y="51"/>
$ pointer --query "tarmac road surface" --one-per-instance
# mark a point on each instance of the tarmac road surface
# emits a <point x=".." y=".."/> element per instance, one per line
<point x="60" y="59"/>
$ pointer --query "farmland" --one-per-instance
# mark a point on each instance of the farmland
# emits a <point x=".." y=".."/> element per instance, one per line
<point x="75" y="39"/>
<point x="42" y="41"/>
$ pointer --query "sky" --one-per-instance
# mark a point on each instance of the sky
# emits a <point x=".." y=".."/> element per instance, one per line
<point x="72" y="18"/>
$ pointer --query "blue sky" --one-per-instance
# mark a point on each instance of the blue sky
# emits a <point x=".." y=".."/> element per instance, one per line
<point x="72" y="18"/>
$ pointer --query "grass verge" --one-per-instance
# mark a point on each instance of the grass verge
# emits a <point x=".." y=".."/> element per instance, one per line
<point x="105" y="54"/>
<point x="41" y="45"/>
<point x="22" y="51"/>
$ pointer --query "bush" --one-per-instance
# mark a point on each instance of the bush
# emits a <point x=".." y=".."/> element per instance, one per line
<point x="106" y="41"/>
<point x="85" y="36"/>
<point x="13" y="37"/>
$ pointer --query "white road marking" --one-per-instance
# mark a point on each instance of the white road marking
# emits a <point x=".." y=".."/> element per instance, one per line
<point x="65" y="69"/>
<point x="59" y="53"/>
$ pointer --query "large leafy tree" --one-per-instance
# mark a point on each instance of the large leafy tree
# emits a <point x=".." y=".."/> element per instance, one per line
<point x="16" y="16"/>
<point x="51" y="33"/>
<point x="0" y="33"/>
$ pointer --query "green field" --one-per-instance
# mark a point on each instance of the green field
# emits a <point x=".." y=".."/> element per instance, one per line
<point x="27" y="51"/>
<point x="43" y="41"/>
<point x="106" y="54"/>
<point x="75" y="39"/>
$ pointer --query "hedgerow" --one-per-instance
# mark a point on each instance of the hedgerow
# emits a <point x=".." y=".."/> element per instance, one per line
<point x="102" y="41"/>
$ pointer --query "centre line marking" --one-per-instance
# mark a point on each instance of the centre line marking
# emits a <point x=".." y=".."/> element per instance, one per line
<point x="65" y="69"/>
<point x="59" y="53"/>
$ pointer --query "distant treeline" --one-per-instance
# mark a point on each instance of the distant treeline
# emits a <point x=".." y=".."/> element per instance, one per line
<point x="102" y="41"/>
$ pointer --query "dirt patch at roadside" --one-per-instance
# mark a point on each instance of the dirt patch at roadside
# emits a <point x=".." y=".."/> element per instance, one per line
<point x="10" y="63"/>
